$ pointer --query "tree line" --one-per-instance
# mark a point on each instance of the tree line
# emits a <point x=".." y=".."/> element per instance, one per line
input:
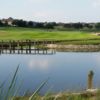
<point x="47" y="25"/>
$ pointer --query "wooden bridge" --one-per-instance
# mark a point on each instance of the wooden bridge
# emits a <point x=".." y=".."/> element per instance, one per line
<point x="13" y="43"/>
<point x="25" y="47"/>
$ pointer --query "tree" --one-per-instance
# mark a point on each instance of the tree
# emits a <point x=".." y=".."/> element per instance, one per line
<point x="49" y="25"/>
<point x="77" y="25"/>
<point x="30" y="24"/>
<point x="69" y="25"/>
<point x="39" y="25"/>
<point x="1" y="24"/>
<point x="20" y="23"/>
<point x="97" y="26"/>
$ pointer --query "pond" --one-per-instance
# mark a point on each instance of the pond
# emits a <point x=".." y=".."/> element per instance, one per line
<point x="67" y="71"/>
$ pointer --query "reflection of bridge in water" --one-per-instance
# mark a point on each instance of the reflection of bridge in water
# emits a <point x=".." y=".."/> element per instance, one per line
<point x="28" y="51"/>
<point x="26" y="47"/>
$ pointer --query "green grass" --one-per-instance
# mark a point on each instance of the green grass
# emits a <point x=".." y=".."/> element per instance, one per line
<point x="73" y="37"/>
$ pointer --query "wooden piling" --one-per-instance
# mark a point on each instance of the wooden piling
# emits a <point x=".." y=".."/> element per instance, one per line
<point x="30" y="46"/>
<point x="2" y="46"/>
<point x="13" y="46"/>
<point x="26" y="48"/>
<point x="90" y="79"/>
<point x="21" y="47"/>
<point x="18" y="47"/>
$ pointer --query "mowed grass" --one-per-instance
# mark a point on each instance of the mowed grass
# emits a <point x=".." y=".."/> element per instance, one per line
<point x="15" y="33"/>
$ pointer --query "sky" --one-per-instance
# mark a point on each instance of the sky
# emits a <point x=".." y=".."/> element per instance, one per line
<point x="51" y="10"/>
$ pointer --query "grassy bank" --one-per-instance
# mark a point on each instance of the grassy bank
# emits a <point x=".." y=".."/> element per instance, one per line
<point x="63" y="96"/>
<point x="73" y="37"/>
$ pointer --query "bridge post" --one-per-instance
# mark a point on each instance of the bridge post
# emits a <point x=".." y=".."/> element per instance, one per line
<point x="21" y="47"/>
<point x="26" y="47"/>
<point x="13" y="46"/>
<point x="10" y="47"/>
<point x="30" y="46"/>
<point x="6" y="47"/>
<point x="18" y="46"/>
<point x="2" y="46"/>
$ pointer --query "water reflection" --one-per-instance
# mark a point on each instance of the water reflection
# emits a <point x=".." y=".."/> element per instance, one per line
<point x="31" y="51"/>
<point x="67" y="71"/>
<point x="40" y="64"/>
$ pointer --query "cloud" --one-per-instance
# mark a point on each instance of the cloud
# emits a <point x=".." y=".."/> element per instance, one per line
<point x="38" y="64"/>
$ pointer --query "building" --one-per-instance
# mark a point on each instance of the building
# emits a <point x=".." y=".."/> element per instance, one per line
<point x="8" y="21"/>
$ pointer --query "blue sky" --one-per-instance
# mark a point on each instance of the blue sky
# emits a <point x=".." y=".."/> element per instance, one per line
<point x="52" y="10"/>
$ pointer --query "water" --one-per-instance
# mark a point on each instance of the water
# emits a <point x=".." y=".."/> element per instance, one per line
<point x="67" y="71"/>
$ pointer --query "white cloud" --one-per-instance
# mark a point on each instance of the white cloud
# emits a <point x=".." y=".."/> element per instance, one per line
<point x="38" y="64"/>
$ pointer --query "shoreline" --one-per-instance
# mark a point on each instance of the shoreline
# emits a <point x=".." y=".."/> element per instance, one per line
<point x="92" y="94"/>
<point x="75" y="48"/>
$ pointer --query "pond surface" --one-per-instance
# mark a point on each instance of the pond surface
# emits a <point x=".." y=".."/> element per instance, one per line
<point x="67" y="71"/>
